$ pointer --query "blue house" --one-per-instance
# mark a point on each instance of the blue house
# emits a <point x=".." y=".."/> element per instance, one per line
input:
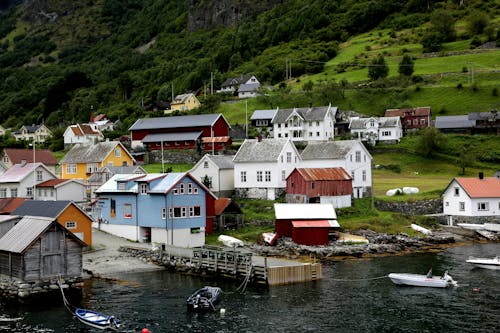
<point x="168" y="208"/>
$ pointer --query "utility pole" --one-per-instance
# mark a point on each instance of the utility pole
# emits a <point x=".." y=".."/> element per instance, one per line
<point x="211" y="83"/>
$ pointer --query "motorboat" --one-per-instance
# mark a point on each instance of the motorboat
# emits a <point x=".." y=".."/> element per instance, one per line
<point x="96" y="319"/>
<point x="423" y="280"/>
<point x="230" y="241"/>
<point x="204" y="299"/>
<point x="488" y="263"/>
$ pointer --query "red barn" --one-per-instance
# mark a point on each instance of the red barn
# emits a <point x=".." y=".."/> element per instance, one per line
<point x="307" y="224"/>
<point x="182" y="132"/>
<point x="412" y="118"/>
<point x="319" y="185"/>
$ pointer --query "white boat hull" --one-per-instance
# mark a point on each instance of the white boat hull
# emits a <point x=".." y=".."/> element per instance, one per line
<point x="419" y="280"/>
<point x="487" y="263"/>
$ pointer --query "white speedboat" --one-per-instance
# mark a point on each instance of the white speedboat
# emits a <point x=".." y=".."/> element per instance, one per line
<point x="489" y="263"/>
<point x="422" y="280"/>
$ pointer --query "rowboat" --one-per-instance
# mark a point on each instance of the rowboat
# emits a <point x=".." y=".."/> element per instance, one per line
<point x="204" y="299"/>
<point x="422" y="280"/>
<point x="488" y="263"/>
<point x="96" y="319"/>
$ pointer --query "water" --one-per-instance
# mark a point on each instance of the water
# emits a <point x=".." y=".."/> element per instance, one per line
<point x="156" y="300"/>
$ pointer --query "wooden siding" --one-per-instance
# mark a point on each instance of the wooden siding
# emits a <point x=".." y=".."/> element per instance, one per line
<point x="83" y="222"/>
<point x="11" y="264"/>
<point x="283" y="228"/>
<point x="296" y="184"/>
<point x="310" y="236"/>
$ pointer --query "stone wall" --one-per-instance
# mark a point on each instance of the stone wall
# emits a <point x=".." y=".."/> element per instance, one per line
<point x="419" y="207"/>
<point x="18" y="289"/>
<point x="471" y="219"/>
<point x="184" y="156"/>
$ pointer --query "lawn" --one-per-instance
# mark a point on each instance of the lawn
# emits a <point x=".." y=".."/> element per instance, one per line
<point x="157" y="167"/>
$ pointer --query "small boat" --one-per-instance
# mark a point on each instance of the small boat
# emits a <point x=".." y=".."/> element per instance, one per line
<point x="230" y="241"/>
<point x="96" y="319"/>
<point x="488" y="263"/>
<point x="422" y="280"/>
<point x="204" y="299"/>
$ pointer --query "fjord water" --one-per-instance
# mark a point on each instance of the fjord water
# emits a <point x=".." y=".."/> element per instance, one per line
<point x="350" y="298"/>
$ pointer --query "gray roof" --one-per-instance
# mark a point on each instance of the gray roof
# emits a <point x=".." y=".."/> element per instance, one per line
<point x="42" y="208"/>
<point x="236" y="80"/>
<point x="454" y="122"/>
<point x="181" y="136"/>
<point x="336" y="150"/>
<point x="175" y="122"/>
<point x="89" y="153"/>
<point x="24" y="233"/>
<point x="308" y="114"/>
<point x="263" y="114"/>
<point x="222" y="161"/>
<point x="253" y="150"/>
<point x="360" y="123"/>
<point x="249" y="87"/>
<point x="101" y="174"/>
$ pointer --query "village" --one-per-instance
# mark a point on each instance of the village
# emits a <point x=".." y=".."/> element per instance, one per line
<point x="50" y="208"/>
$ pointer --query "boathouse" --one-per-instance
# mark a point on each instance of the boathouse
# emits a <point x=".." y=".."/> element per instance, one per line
<point x="307" y="224"/>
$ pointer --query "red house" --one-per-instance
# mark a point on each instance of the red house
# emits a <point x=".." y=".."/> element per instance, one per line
<point x="319" y="185"/>
<point x="307" y="224"/>
<point x="205" y="131"/>
<point x="413" y="118"/>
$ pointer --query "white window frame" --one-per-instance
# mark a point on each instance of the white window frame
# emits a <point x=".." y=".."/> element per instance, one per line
<point x="143" y="188"/>
<point x="283" y="174"/>
<point x="39" y="175"/>
<point x="267" y="175"/>
<point x="163" y="213"/>
<point x="461" y="206"/>
<point x="127" y="210"/>
<point x="71" y="168"/>
<point x="483" y="206"/>
<point x="117" y="152"/>
<point x="259" y="176"/>
<point x="358" y="156"/>
<point x="70" y="225"/>
<point x="243" y="176"/>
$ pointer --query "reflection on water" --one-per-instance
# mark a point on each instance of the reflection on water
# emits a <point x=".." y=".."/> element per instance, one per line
<point x="156" y="300"/>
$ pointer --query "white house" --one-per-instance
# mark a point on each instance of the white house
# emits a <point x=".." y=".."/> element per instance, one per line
<point x="374" y="129"/>
<point x="245" y="85"/>
<point x="351" y="155"/>
<point x="472" y="197"/>
<point x="39" y="133"/>
<point x="18" y="181"/>
<point x="216" y="172"/>
<point x="61" y="189"/>
<point x="305" y="124"/>
<point x="82" y="133"/>
<point x="261" y="167"/>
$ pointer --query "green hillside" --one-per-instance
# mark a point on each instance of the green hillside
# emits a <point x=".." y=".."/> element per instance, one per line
<point x="60" y="59"/>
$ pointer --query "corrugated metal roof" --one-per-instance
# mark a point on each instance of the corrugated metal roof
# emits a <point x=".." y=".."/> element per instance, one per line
<point x="418" y="111"/>
<point x="454" y="122"/>
<point x="263" y="114"/>
<point x="316" y="224"/>
<point x="267" y="150"/>
<point x="304" y="211"/>
<point x="324" y="174"/>
<point x="336" y="150"/>
<point x="360" y="123"/>
<point x="18" y="172"/>
<point x="50" y="208"/>
<point x="181" y="136"/>
<point x="53" y="182"/>
<point x="176" y="122"/>
<point x="308" y="114"/>
<point x="81" y="153"/>
<point x="222" y="161"/>
<point x="25" y="232"/>
<point x="16" y="156"/>
<point x="246" y="87"/>
<point x="216" y="139"/>
<point x="488" y="187"/>
<point x="221" y="204"/>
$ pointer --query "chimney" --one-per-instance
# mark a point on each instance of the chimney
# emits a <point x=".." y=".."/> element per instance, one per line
<point x="23" y="162"/>
<point x="481" y="175"/>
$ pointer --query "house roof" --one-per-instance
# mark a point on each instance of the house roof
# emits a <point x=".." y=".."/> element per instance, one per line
<point x="488" y="187"/>
<point x="246" y="87"/>
<point x="24" y="233"/>
<point x="99" y="117"/>
<point x="221" y="204"/>
<point x="83" y="129"/>
<point x="315" y="224"/>
<point x="16" y="156"/>
<point x="263" y="114"/>
<point x="266" y="150"/>
<point x="100" y="175"/>
<point x="81" y="153"/>
<point x="56" y="182"/>
<point x="50" y="208"/>
<point x="222" y="161"/>
<point x="182" y="98"/>
<point x="304" y="211"/>
<point x="31" y="128"/>
<point x="216" y="139"/>
<point x="360" y="123"/>
<point x="336" y="150"/>
<point x="236" y="80"/>
<point x="308" y="114"/>
<point x="489" y="116"/>
<point x="444" y="122"/>
<point x="313" y="174"/>
<point x="176" y="122"/>
<point x="418" y="111"/>
<point x="8" y="205"/>
<point x="18" y="172"/>
<point x="167" y="137"/>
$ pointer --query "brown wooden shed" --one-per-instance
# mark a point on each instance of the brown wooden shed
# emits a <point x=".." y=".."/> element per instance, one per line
<point x="38" y="248"/>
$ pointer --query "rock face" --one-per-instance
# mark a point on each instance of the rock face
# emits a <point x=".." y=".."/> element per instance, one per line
<point x="228" y="13"/>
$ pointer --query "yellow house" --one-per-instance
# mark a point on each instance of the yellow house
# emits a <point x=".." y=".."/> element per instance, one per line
<point x="185" y="102"/>
<point x="83" y="160"/>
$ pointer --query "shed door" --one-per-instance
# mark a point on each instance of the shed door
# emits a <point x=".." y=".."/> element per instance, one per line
<point x="52" y="265"/>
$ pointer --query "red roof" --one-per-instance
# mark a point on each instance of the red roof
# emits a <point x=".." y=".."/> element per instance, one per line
<point x="315" y="224"/>
<point x="215" y="139"/>
<point x="8" y="205"/>
<point x="480" y="188"/>
<point x="324" y="174"/>
<point x="221" y="204"/>
<point x="418" y="111"/>
<point x="52" y="182"/>
<point x="16" y="156"/>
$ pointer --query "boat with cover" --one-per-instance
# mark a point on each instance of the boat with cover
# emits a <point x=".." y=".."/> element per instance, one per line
<point x="423" y="280"/>
<point x="488" y="263"/>
<point x="204" y="299"/>
<point x="96" y="319"/>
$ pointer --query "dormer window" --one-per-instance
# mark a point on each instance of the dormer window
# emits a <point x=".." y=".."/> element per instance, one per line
<point x="121" y="185"/>
<point x="143" y="188"/>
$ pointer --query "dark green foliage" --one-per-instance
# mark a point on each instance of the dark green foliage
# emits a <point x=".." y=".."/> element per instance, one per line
<point x="432" y="42"/>
<point x="476" y="22"/>
<point x="406" y="65"/>
<point x="430" y="141"/>
<point x="378" y="69"/>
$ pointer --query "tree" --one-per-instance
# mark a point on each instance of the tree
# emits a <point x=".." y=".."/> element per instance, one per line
<point x="406" y="66"/>
<point x="443" y="24"/>
<point x="476" y="22"/>
<point x="466" y="158"/>
<point x="378" y="69"/>
<point x="429" y="142"/>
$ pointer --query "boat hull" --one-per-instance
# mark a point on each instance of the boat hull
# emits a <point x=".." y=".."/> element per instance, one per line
<point x="486" y="263"/>
<point x="204" y="299"/>
<point x="96" y="319"/>
<point x="418" y="280"/>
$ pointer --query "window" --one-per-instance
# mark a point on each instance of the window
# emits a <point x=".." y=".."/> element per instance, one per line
<point x="358" y="156"/>
<point x="288" y="157"/>
<point x="29" y="191"/>
<point x="91" y="167"/>
<point x="457" y="191"/>
<point x="422" y="121"/>
<point x="363" y="175"/>
<point x="127" y="211"/>
<point x="482" y="206"/>
<point x="181" y="188"/>
<point x="283" y="175"/>
<point x="163" y="213"/>
<point x="190" y="188"/>
<point x="415" y="121"/>
<point x="121" y="185"/>
<point x="447" y="203"/>
<point x="39" y="176"/>
<point x="313" y="185"/>
<point x="317" y="123"/>
<point x="143" y="188"/>
<point x="386" y="133"/>
<point x="195" y="189"/>
<point x="13" y="192"/>
<point x="259" y="176"/>
<point x="183" y="211"/>
<point x="70" y="225"/>
<point x="118" y="152"/>
<point x="461" y="206"/>
<point x="286" y="135"/>
<point x="317" y="134"/>
<point x="352" y="174"/>
<point x="71" y="168"/>
<point x="279" y="135"/>
<point x="195" y="211"/>
<point x="243" y="176"/>
<point x="3" y="193"/>
<point x="205" y="164"/>
<point x="310" y="134"/>
<point x="268" y="176"/>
